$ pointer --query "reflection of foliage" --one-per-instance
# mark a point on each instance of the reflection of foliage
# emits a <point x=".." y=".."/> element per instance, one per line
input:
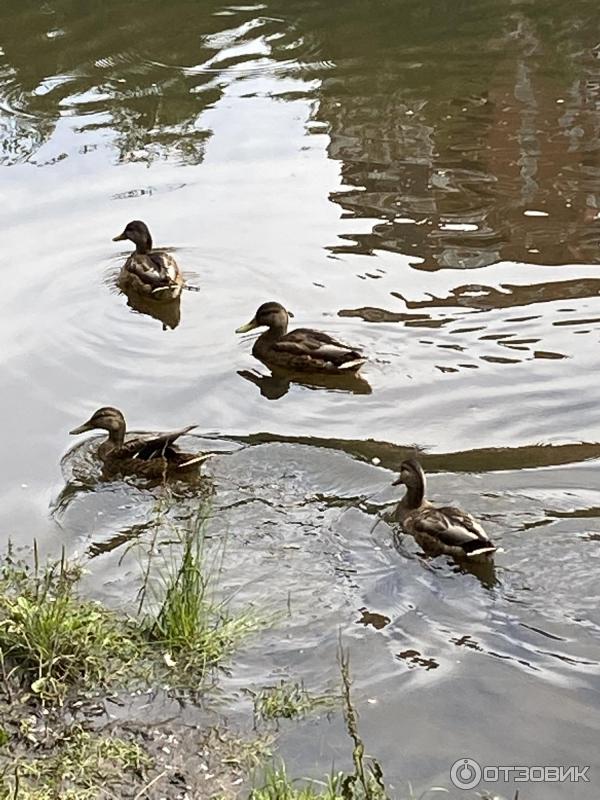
<point x="145" y="70"/>
<point x="441" y="117"/>
<point x="152" y="125"/>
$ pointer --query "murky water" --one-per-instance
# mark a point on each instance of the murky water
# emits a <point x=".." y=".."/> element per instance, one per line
<point x="421" y="180"/>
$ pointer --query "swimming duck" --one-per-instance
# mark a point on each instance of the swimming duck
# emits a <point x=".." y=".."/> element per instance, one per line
<point x="147" y="271"/>
<point x="440" y="530"/>
<point x="303" y="349"/>
<point x="151" y="456"/>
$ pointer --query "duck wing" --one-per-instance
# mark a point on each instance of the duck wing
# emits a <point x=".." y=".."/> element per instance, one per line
<point x="160" y="446"/>
<point x="317" y="345"/>
<point x="156" y="269"/>
<point x="453" y="528"/>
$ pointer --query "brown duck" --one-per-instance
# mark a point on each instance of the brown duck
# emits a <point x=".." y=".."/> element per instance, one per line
<point x="438" y="529"/>
<point x="147" y="271"/>
<point x="304" y="349"/>
<point x="151" y="456"/>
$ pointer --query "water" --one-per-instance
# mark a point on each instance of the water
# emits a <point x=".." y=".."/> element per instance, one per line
<point x="420" y="180"/>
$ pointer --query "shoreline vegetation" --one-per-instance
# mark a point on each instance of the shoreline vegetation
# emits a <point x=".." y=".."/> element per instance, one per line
<point x="70" y="669"/>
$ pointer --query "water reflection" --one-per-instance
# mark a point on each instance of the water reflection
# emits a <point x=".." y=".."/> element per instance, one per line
<point x="141" y="74"/>
<point x="508" y="295"/>
<point x="390" y="454"/>
<point x="278" y="383"/>
<point x="168" y="313"/>
<point x="372" y="618"/>
<point x="463" y="157"/>
<point x="465" y="153"/>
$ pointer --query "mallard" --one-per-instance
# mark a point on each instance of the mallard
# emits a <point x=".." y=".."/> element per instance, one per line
<point x="303" y="349"/>
<point x="440" y="530"/>
<point x="151" y="456"/>
<point x="149" y="272"/>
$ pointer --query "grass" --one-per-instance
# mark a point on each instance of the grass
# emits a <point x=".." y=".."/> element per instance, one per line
<point x="81" y="766"/>
<point x="289" y="701"/>
<point x="58" y="649"/>
<point x="277" y="785"/>
<point x="366" y="782"/>
<point x="194" y="630"/>
<point x="53" y="642"/>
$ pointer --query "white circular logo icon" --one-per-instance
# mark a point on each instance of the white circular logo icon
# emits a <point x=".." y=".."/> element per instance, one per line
<point x="465" y="773"/>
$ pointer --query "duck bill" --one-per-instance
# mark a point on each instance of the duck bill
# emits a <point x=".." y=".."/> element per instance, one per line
<point x="249" y="326"/>
<point x="120" y="237"/>
<point x="87" y="426"/>
<point x="397" y="482"/>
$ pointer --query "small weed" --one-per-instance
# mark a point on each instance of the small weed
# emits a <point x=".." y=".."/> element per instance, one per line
<point x="289" y="701"/>
<point x="277" y="785"/>
<point x="364" y="783"/>
<point x="241" y="753"/>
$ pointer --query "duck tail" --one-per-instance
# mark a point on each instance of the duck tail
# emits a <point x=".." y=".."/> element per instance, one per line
<point x="167" y="288"/>
<point x="473" y="549"/>
<point x="199" y="459"/>
<point x="353" y="365"/>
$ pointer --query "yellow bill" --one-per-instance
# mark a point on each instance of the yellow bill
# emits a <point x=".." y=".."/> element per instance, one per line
<point x="249" y="326"/>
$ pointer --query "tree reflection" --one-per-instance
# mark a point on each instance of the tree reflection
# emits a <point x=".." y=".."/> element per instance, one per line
<point x="142" y="71"/>
<point x="450" y="125"/>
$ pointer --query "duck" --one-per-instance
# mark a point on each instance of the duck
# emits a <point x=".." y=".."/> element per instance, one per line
<point x="440" y="530"/>
<point x="304" y="349"/>
<point x="150" y="456"/>
<point x="147" y="271"/>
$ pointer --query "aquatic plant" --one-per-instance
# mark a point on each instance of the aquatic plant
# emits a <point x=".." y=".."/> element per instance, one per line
<point x="193" y="628"/>
<point x="364" y="783"/>
<point x="289" y="700"/>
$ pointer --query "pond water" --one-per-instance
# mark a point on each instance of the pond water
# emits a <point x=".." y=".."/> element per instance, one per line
<point x="420" y="179"/>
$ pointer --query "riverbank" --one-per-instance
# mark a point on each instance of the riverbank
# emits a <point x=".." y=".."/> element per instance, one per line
<point x="85" y="692"/>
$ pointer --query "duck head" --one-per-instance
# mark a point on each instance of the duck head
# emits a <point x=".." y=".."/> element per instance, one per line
<point x="411" y="474"/>
<point x="138" y="233"/>
<point x="107" y="419"/>
<point x="270" y="315"/>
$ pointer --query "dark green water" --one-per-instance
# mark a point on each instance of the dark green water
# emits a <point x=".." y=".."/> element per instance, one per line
<point x="421" y="180"/>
